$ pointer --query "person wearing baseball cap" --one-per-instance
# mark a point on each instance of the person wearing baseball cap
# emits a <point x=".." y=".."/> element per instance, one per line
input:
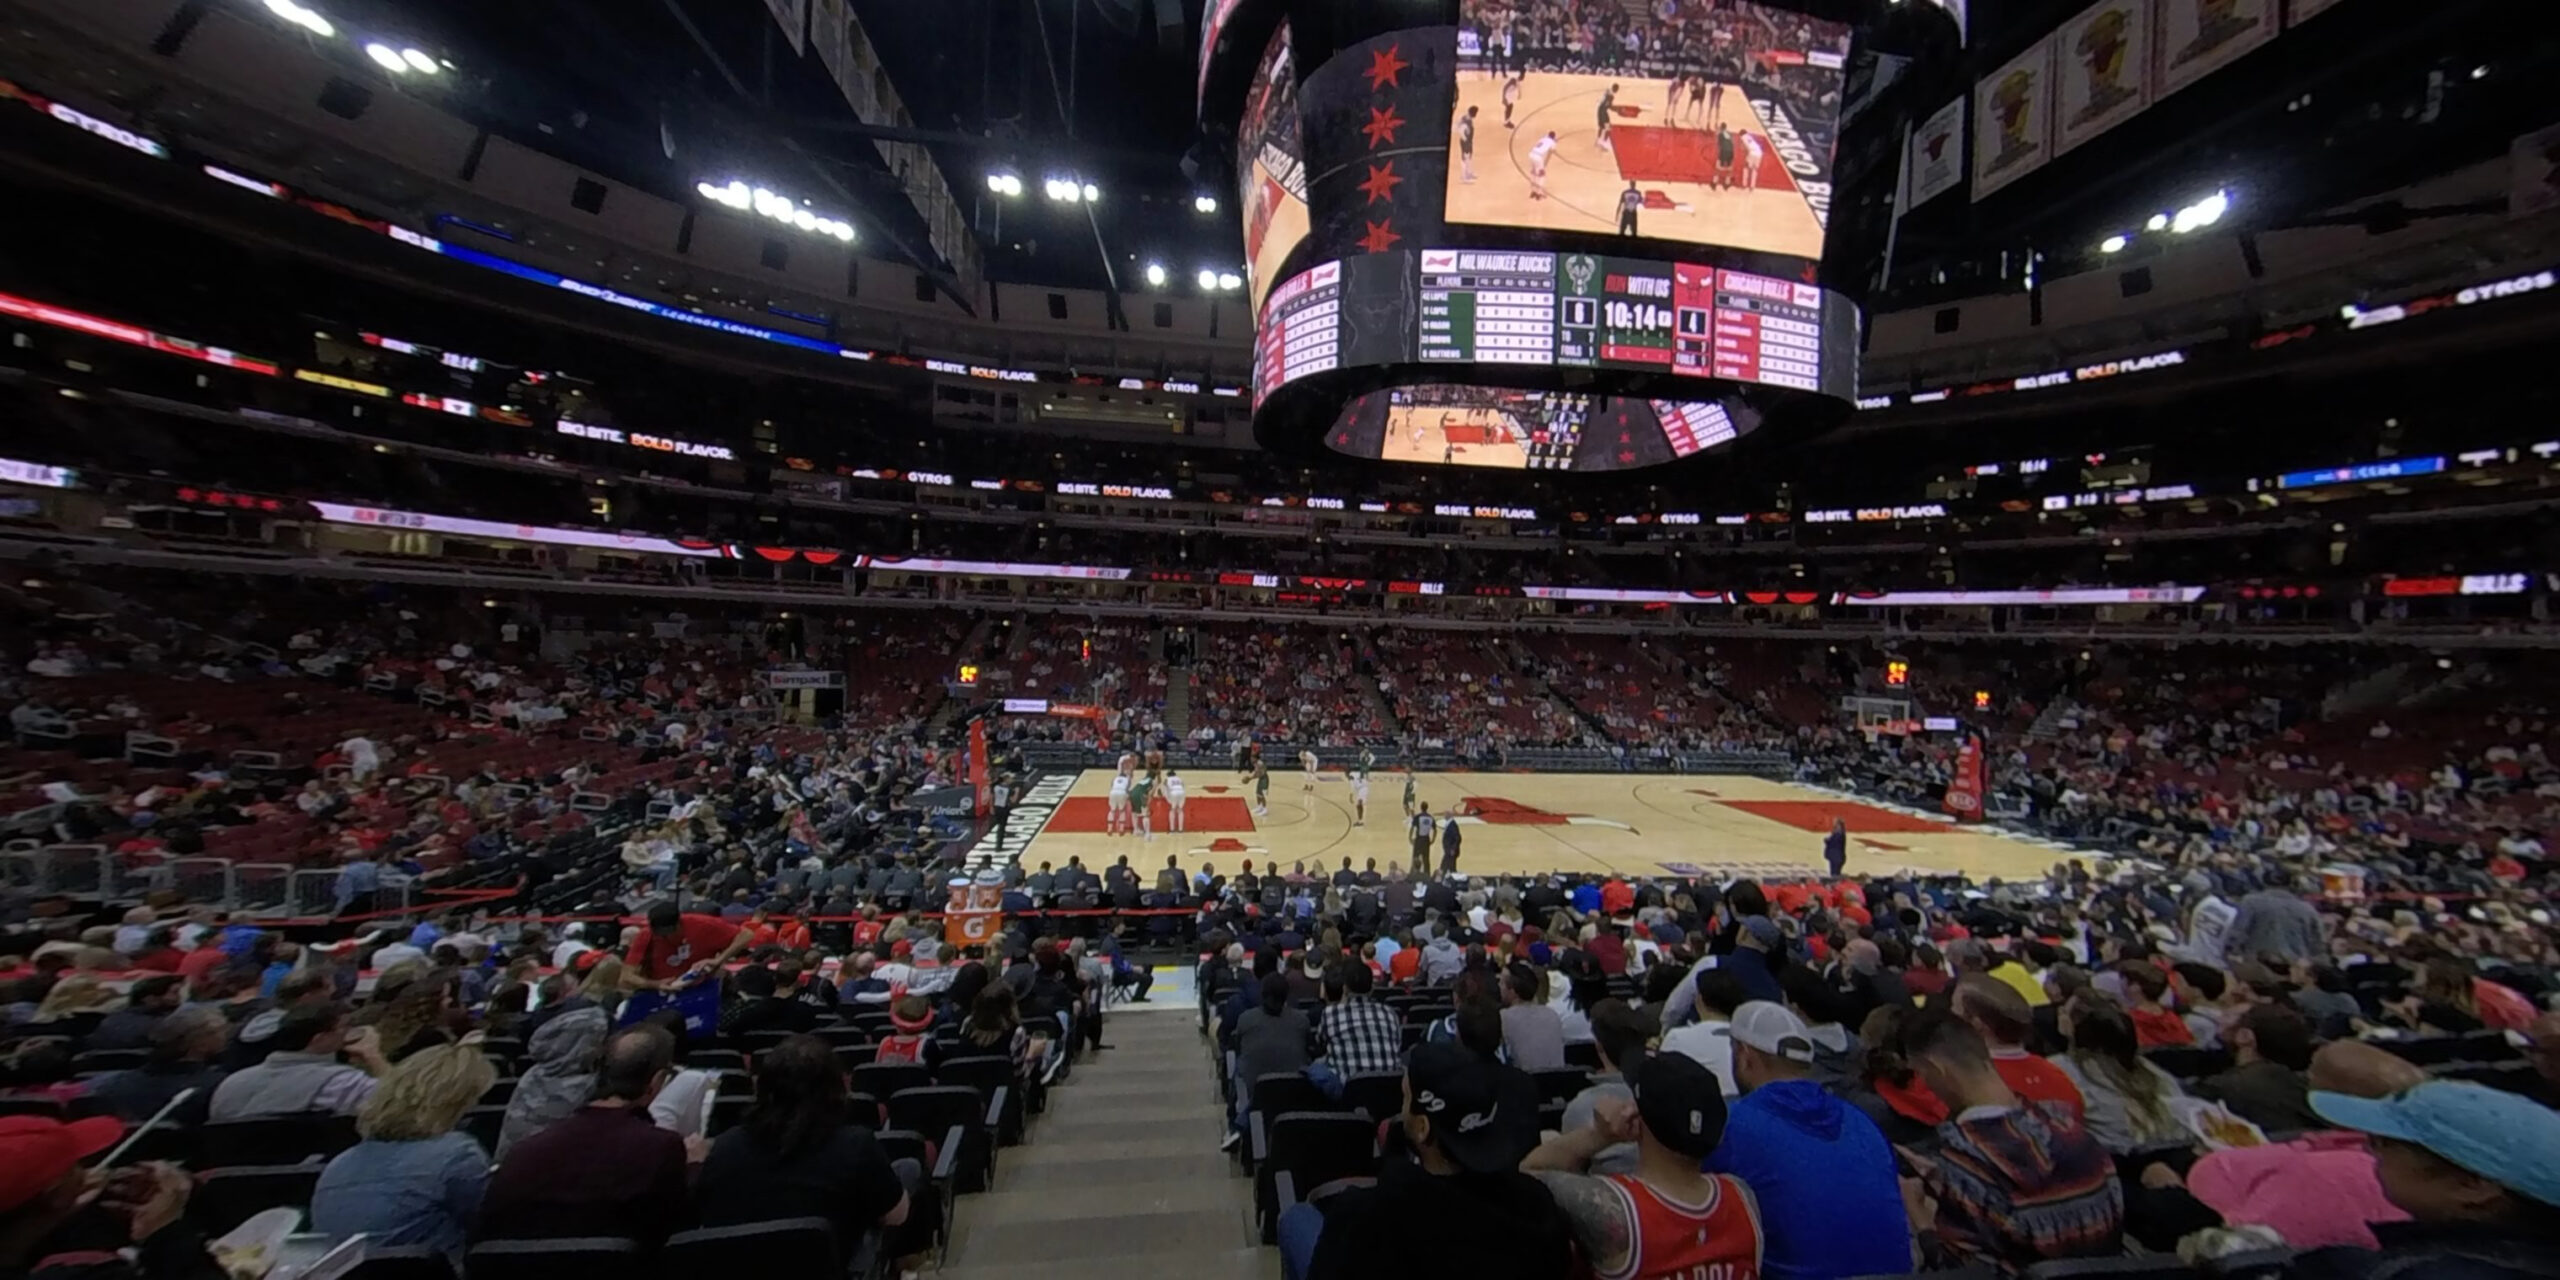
<point x="1830" y="1204"/>
<point x="2477" y="1169"/>
<point x="1459" y="1205"/>
<point x="1670" y="1217"/>
<point x="44" y="1183"/>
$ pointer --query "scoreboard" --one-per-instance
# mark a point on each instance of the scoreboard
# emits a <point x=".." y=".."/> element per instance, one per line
<point x="1767" y="331"/>
<point x="1691" y="425"/>
<point x="1499" y="307"/>
<point x="1488" y="308"/>
<point x="1301" y="331"/>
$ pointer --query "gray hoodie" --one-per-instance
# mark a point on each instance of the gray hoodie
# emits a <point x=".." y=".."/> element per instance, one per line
<point x="566" y="1051"/>
<point x="1442" y="960"/>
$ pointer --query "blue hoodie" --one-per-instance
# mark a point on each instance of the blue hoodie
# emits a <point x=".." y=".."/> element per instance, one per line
<point x="1830" y="1204"/>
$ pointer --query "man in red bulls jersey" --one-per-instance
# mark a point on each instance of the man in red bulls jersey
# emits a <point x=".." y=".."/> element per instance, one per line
<point x="1667" y="1220"/>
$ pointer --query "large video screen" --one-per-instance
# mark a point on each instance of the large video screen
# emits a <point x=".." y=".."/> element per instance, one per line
<point x="1271" y="170"/>
<point x="1702" y="121"/>
<point x="1449" y="424"/>
<point x="1566" y="310"/>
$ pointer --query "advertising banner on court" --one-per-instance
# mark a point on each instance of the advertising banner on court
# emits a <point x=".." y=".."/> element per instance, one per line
<point x="1935" y="164"/>
<point x="2013" y="119"/>
<point x="2200" y="37"/>
<point x="2101" y="76"/>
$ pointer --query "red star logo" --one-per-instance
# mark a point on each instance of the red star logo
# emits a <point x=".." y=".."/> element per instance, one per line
<point x="1626" y="456"/>
<point x="1379" y="237"/>
<point x="1382" y="126"/>
<point x="1382" y="182"/>
<point x="1383" y="66"/>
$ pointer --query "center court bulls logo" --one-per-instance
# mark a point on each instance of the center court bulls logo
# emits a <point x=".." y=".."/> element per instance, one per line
<point x="1494" y="811"/>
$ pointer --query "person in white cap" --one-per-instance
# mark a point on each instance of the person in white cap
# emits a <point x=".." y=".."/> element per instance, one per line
<point x="1830" y="1203"/>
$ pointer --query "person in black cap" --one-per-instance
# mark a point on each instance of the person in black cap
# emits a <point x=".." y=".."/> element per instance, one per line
<point x="1458" y="1206"/>
<point x="1668" y="1218"/>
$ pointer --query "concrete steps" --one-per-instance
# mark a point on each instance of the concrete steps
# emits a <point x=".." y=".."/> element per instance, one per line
<point x="1122" y="1177"/>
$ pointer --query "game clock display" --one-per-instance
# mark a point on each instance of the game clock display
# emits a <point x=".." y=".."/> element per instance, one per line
<point x="1489" y="307"/>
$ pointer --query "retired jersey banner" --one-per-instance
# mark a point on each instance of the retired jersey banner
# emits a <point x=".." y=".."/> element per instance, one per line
<point x="2013" y="120"/>
<point x="1936" y="159"/>
<point x="2200" y="37"/>
<point x="2102" y="71"/>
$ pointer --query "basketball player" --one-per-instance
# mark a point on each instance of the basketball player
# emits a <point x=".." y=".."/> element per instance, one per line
<point x="1608" y="113"/>
<point x="1115" y="817"/>
<point x="1360" y="798"/>
<point x="1752" y="149"/>
<point x="1408" y="791"/>
<point x="1311" y="767"/>
<point x="1715" y="98"/>
<point x="1467" y="146"/>
<point x="1724" y="155"/>
<point x="1510" y="99"/>
<point x="1671" y="97"/>
<point x="1698" y="98"/>
<point x="1539" y="151"/>
<point x="1141" y="791"/>
<point x="1261" y="788"/>
<point x="1172" y="800"/>
<point x="1629" y="201"/>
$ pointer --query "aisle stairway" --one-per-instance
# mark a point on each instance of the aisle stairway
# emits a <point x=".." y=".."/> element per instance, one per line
<point x="1177" y="702"/>
<point x="1122" y="1177"/>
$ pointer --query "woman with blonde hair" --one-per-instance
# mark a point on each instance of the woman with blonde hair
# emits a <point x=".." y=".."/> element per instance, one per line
<point x="413" y="1179"/>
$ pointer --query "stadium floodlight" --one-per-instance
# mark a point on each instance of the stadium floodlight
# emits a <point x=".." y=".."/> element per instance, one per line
<point x="1062" y="190"/>
<point x="2159" y="222"/>
<point x="1092" y="194"/>
<point x="1204" y="204"/>
<point x="2203" y="213"/>
<point x="302" y="17"/>
<point x="388" y="57"/>
<point x="1155" y="274"/>
<point x="773" y="204"/>
<point x="1004" y="182"/>
<point x="1208" y="279"/>
<point x="1230" y="281"/>
<point x="419" y="61"/>
<point x="2113" y="244"/>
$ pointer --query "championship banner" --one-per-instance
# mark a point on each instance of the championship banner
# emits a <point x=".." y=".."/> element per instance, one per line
<point x="1935" y="160"/>
<point x="978" y="776"/>
<point x="2305" y="10"/>
<point x="2013" y="120"/>
<point x="2534" y="173"/>
<point x="1964" y="790"/>
<point x="804" y="679"/>
<point x="2102" y="76"/>
<point x="2200" y="37"/>
<point x="826" y="30"/>
<point x="794" y="17"/>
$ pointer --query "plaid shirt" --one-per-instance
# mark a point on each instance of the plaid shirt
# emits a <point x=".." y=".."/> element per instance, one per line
<point x="1363" y="1037"/>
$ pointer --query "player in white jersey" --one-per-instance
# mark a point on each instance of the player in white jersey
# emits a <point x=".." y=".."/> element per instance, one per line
<point x="1310" y="766"/>
<point x="1128" y="765"/>
<point x="1360" y="798"/>
<point x="1173" y="800"/>
<point x="1115" y="816"/>
<point x="1752" y="149"/>
<point x="1538" y="153"/>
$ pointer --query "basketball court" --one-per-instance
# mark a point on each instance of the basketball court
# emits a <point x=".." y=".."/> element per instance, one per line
<point x="1670" y="158"/>
<point x="1524" y="823"/>
<point x="1463" y="437"/>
